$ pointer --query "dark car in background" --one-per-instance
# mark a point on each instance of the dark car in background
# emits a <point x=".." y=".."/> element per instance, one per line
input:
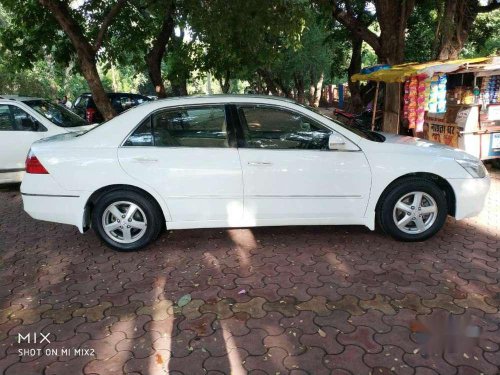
<point x="85" y="107"/>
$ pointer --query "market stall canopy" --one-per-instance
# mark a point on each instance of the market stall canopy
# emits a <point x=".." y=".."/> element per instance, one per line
<point x="483" y="69"/>
<point x="399" y="73"/>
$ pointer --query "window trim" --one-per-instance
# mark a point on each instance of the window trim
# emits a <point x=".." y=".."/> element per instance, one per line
<point x="241" y="132"/>
<point x="230" y="128"/>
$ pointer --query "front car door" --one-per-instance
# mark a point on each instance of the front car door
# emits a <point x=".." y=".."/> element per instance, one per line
<point x="188" y="154"/>
<point x="292" y="177"/>
<point x="18" y="130"/>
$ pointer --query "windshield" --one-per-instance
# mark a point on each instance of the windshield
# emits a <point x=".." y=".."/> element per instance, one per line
<point x="56" y="114"/>
<point x="364" y="133"/>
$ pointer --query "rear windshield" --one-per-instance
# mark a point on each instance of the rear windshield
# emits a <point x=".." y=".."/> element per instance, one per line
<point x="57" y="114"/>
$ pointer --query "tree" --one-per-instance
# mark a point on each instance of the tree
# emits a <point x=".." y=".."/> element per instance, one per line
<point x="389" y="46"/>
<point x="392" y="17"/>
<point x="483" y="38"/>
<point x="86" y="50"/>
<point x="242" y="38"/>
<point x="155" y="55"/>
<point x="455" y="21"/>
<point x="355" y="67"/>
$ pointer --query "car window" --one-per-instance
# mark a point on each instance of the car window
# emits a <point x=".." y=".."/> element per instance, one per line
<point x="57" y="114"/>
<point x="81" y="101"/>
<point x="276" y="128"/>
<point x="6" y="122"/>
<point x="190" y="127"/>
<point x="142" y="136"/>
<point x="14" y="118"/>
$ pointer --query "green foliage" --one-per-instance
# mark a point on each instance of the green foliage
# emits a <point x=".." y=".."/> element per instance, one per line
<point x="484" y="38"/>
<point x="420" y="38"/>
<point x="247" y="43"/>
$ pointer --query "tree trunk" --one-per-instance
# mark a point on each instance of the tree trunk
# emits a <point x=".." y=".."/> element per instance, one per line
<point x="389" y="46"/>
<point x="355" y="67"/>
<point x="453" y="29"/>
<point x="287" y="91"/>
<point x="299" y="86"/>
<point x="393" y="18"/>
<point x="225" y="83"/>
<point x="86" y="52"/>
<point x="155" y="56"/>
<point x="318" y="89"/>
<point x="268" y="79"/>
<point x="101" y="100"/>
<point x="312" y="88"/>
<point x="179" y="87"/>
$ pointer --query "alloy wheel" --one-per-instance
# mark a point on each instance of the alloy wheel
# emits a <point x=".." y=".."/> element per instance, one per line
<point x="415" y="212"/>
<point x="124" y="222"/>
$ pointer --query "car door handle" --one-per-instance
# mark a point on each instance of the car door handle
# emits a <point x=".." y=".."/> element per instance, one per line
<point x="259" y="163"/>
<point x="144" y="160"/>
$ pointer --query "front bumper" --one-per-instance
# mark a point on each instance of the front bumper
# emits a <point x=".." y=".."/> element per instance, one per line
<point x="470" y="195"/>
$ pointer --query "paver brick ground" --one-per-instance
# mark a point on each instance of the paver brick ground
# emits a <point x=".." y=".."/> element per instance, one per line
<point x="291" y="300"/>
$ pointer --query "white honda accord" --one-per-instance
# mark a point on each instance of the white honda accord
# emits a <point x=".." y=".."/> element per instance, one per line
<point x="244" y="161"/>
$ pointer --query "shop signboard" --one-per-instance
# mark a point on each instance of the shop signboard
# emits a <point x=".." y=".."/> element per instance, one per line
<point x="443" y="133"/>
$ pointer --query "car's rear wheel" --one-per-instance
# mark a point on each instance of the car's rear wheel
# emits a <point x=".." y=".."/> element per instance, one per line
<point x="412" y="210"/>
<point x="126" y="220"/>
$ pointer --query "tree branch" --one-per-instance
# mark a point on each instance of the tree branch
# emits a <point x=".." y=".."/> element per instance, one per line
<point x="108" y="19"/>
<point x="355" y="26"/>
<point x="162" y="38"/>
<point x="62" y="14"/>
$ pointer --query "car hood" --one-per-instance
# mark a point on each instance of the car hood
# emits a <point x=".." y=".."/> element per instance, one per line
<point x="417" y="145"/>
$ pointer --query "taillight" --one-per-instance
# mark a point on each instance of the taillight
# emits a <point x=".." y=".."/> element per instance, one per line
<point x="33" y="165"/>
<point x="90" y="112"/>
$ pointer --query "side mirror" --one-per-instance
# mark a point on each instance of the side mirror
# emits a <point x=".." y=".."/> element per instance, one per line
<point x="336" y="141"/>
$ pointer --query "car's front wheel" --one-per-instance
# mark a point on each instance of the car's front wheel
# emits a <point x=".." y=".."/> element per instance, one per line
<point x="413" y="210"/>
<point x="126" y="220"/>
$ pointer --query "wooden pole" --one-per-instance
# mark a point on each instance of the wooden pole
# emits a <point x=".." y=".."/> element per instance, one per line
<point x="399" y="107"/>
<point x="374" y="109"/>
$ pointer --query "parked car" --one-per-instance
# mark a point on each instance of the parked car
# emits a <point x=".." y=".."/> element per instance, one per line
<point x="244" y="161"/>
<point x="85" y="107"/>
<point x="24" y="120"/>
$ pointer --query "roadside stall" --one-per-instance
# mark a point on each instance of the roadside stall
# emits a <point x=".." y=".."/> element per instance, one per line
<point x="455" y="102"/>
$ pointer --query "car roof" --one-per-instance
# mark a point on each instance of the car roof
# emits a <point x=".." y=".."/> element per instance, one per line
<point x="19" y="98"/>
<point x="227" y="97"/>
<point x="89" y="94"/>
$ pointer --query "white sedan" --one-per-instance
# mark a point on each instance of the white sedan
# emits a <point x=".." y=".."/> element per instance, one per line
<point x="24" y="120"/>
<point x="244" y="161"/>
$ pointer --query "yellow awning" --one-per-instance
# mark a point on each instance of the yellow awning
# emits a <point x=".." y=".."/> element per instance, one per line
<point x="399" y="73"/>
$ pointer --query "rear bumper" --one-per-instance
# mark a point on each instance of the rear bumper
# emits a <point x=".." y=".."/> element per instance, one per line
<point x="44" y="199"/>
<point x="470" y="194"/>
<point x="64" y="209"/>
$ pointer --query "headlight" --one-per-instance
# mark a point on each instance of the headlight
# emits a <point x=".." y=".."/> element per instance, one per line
<point x="475" y="167"/>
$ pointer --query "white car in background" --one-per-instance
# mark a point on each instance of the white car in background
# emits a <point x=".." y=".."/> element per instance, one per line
<point x="24" y="120"/>
<point x="244" y="161"/>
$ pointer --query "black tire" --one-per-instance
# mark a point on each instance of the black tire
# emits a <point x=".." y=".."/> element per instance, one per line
<point x="399" y="189"/>
<point x="153" y="218"/>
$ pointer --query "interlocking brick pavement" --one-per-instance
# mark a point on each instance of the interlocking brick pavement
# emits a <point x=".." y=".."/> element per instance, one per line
<point x="292" y="300"/>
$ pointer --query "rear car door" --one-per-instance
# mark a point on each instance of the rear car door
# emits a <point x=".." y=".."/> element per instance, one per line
<point x="290" y="174"/>
<point x="18" y="130"/>
<point x="189" y="155"/>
